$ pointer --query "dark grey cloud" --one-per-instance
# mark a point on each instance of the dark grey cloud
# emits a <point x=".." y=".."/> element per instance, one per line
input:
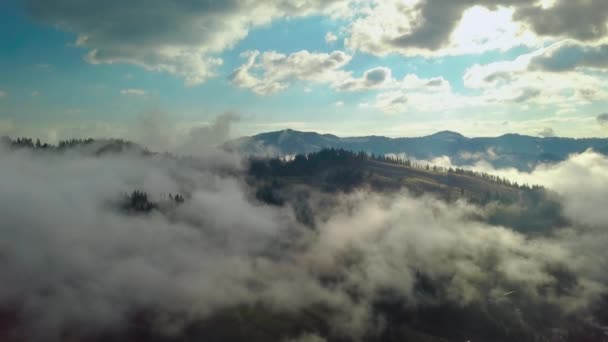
<point x="498" y="76"/>
<point x="377" y="75"/>
<point x="568" y="57"/>
<point x="372" y="79"/>
<point x="438" y="21"/>
<point x="602" y="119"/>
<point x="527" y="94"/>
<point x="399" y="100"/>
<point x="157" y="35"/>
<point x="430" y="23"/>
<point x="582" y="20"/>
<point x="436" y="82"/>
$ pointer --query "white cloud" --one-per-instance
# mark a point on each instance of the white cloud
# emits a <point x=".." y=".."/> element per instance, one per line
<point x="562" y="18"/>
<point x="581" y="180"/>
<point x="270" y="72"/>
<point x="547" y="132"/>
<point x="35" y="93"/>
<point x="420" y="94"/>
<point x="134" y="92"/>
<point x="543" y="76"/>
<point x="570" y="56"/>
<point x="275" y="72"/>
<point x="481" y="29"/>
<point x="330" y="38"/>
<point x="3" y="94"/>
<point x="439" y="28"/>
<point x="375" y="78"/>
<point x="400" y="101"/>
<point x="339" y="104"/>
<point x="182" y="38"/>
<point x="560" y="57"/>
<point x="436" y="28"/>
<point x="187" y="38"/>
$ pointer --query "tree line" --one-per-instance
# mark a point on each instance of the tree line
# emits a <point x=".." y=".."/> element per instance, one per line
<point x="23" y="142"/>
<point x="315" y="162"/>
<point x="139" y="201"/>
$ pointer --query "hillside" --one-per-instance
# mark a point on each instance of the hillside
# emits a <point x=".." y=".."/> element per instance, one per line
<point x="526" y="208"/>
<point x="510" y="150"/>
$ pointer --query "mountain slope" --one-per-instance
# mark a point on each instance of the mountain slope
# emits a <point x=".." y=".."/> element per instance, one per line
<point x="510" y="150"/>
<point x="525" y="208"/>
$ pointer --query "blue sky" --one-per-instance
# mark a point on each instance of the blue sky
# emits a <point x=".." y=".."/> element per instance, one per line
<point x="349" y="67"/>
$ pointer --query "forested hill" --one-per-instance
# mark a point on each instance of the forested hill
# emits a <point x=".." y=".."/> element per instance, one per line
<point x="343" y="169"/>
<point x="510" y="150"/>
<point x="523" y="207"/>
<point x="89" y="145"/>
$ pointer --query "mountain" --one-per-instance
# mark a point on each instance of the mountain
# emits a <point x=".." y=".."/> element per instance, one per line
<point x="509" y="150"/>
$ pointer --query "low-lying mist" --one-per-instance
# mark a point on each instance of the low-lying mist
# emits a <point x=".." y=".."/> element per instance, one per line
<point x="74" y="265"/>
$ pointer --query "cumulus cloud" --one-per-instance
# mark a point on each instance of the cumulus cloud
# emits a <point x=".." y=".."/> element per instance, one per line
<point x="421" y="94"/>
<point x="378" y="77"/>
<point x="182" y="38"/>
<point x="330" y="38"/>
<point x="431" y="33"/>
<point x="559" y="57"/>
<point x="546" y="132"/>
<point x="570" y="56"/>
<point x="134" y="92"/>
<point x="270" y="72"/>
<point x="275" y="72"/>
<point x="436" y="28"/>
<point x="563" y="19"/>
<point x="553" y="75"/>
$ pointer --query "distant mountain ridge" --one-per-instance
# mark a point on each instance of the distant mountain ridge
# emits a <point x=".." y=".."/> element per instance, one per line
<point x="509" y="150"/>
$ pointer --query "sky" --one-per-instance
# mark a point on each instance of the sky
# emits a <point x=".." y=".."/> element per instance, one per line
<point x="349" y="67"/>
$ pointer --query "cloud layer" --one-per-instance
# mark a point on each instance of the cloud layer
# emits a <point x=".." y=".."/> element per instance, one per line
<point x="72" y="259"/>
